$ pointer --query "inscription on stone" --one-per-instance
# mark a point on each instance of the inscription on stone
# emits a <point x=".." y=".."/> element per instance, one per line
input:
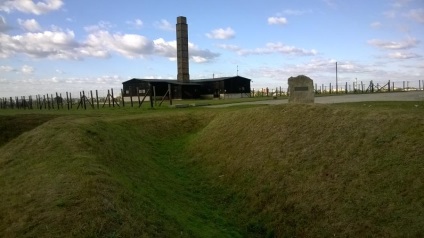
<point x="301" y="88"/>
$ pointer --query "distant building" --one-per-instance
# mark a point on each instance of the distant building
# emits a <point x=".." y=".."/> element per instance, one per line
<point x="183" y="87"/>
<point x="224" y="87"/>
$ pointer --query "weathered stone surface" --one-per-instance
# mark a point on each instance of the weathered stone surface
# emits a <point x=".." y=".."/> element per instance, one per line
<point x="301" y="89"/>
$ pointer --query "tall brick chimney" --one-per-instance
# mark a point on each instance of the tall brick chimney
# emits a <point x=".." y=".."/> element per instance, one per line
<point x="182" y="50"/>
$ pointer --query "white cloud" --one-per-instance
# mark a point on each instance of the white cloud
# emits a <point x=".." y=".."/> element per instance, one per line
<point x="137" y="23"/>
<point x="400" y="3"/>
<point x="199" y="59"/>
<point x="221" y="34"/>
<point x="26" y="69"/>
<point x="164" y="25"/>
<point x="29" y="6"/>
<point x="47" y="44"/>
<point x="98" y="44"/>
<point x="4" y="68"/>
<point x="199" y="55"/>
<point x="390" y="14"/>
<point x="270" y="48"/>
<point x="403" y="55"/>
<point x="234" y="48"/>
<point x="394" y="45"/>
<point x="376" y="24"/>
<point x="164" y="48"/>
<point x="29" y="25"/>
<point x="296" y="12"/>
<point x="416" y="15"/>
<point x="277" y="21"/>
<point x="102" y="25"/>
<point x="330" y="3"/>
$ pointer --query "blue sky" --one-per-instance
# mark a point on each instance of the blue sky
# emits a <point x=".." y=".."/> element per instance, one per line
<point x="50" y="46"/>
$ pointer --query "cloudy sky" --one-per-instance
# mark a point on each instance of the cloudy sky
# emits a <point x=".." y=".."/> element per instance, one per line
<point x="49" y="46"/>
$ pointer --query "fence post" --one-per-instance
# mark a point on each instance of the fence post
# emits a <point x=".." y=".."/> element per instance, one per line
<point x="138" y="96"/>
<point x="151" y="95"/>
<point x="170" y="94"/>
<point x="97" y="99"/>
<point x="113" y="98"/>
<point x="67" y="100"/>
<point x="83" y="100"/>
<point x="154" y="94"/>
<point x="131" y="96"/>
<point x="92" y="99"/>
<point x="122" y="97"/>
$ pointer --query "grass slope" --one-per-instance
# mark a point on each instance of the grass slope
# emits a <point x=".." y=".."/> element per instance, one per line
<point x="304" y="170"/>
<point x="114" y="177"/>
<point x="314" y="170"/>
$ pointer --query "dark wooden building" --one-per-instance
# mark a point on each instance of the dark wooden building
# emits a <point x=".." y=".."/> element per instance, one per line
<point x="235" y="86"/>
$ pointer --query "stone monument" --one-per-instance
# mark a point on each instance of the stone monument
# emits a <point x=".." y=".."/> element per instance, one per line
<point x="301" y="89"/>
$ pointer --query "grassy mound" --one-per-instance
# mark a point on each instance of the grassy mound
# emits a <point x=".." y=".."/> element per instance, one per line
<point x="304" y="170"/>
<point x="311" y="170"/>
<point x="113" y="177"/>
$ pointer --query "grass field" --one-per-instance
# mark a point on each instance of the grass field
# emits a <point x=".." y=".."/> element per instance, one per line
<point x="253" y="171"/>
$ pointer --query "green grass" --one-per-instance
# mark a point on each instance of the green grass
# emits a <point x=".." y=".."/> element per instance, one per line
<point x="283" y="171"/>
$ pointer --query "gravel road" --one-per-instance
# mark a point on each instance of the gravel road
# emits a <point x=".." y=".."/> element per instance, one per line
<point x="399" y="96"/>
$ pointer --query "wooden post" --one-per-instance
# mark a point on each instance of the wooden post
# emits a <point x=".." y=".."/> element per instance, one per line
<point x="57" y="101"/>
<point x="83" y="100"/>
<point x="130" y="88"/>
<point x="151" y="96"/>
<point x="92" y="99"/>
<point x="138" y="96"/>
<point x="108" y="97"/>
<point x="70" y="99"/>
<point x="154" y="94"/>
<point x="97" y="99"/>
<point x="388" y="85"/>
<point x="122" y="97"/>
<point x="346" y="88"/>
<point x="67" y="100"/>
<point x="170" y="94"/>
<point x="48" y="102"/>
<point x="330" y="88"/>
<point x="113" y="98"/>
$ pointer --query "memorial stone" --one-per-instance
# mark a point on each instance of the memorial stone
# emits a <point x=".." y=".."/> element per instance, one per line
<point x="301" y="89"/>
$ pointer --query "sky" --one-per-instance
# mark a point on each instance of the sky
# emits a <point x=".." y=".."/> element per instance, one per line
<point x="50" y="46"/>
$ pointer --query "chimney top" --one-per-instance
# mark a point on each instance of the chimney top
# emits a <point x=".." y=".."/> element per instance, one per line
<point x="182" y="20"/>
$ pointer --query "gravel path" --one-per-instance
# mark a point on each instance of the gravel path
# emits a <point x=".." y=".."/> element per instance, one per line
<point x="399" y="96"/>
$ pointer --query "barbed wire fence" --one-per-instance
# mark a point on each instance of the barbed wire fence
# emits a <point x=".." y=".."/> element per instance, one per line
<point x="110" y="98"/>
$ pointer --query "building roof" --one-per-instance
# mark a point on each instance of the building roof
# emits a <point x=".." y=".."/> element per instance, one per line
<point x="192" y="81"/>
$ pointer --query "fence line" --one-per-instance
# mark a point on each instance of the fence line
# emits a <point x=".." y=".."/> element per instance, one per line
<point x="355" y="87"/>
<point x="57" y="101"/>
